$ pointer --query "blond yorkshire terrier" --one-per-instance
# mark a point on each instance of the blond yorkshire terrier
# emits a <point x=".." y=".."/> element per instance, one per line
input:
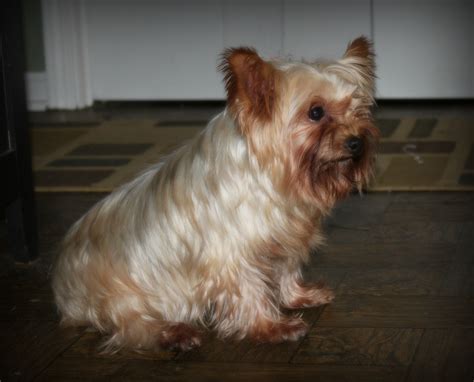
<point x="217" y="233"/>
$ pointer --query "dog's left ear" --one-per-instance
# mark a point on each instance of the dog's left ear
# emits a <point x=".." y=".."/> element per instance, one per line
<point x="360" y="59"/>
<point x="250" y="84"/>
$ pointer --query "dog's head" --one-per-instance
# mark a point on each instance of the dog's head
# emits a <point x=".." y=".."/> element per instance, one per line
<point x="309" y="123"/>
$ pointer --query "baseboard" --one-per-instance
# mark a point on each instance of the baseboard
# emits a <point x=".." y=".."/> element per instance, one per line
<point x="36" y="91"/>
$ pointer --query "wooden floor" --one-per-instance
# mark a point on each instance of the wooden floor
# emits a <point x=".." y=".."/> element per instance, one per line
<point x="402" y="266"/>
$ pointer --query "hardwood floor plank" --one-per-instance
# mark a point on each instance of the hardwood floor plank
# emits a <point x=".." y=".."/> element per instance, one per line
<point x="398" y="312"/>
<point x="27" y="347"/>
<point x="348" y="235"/>
<point x="24" y="299"/>
<point x="360" y="211"/>
<point x="445" y="212"/>
<point x="332" y="277"/>
<point x="408" y="232"/>
<point x="465" y="249"/>
<point x="82" y="369"/>
<point x="359" y="346"/>
<point x="145" y="370"/>
<point x="216" y="350"/>
<point x="58" y="211"/>
<point x="392" y="281"/>
<point x="88" y="346"/>
<point x="383" y="255"/>
<point x="458" y="281"/>
<point x="444" y="355"/>
<point x="433" y="197"/>
<point x="414" y="232"/>
<point x="25" y="307"/>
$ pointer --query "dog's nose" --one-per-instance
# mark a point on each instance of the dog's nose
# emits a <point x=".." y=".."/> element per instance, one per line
<point x="355" y="145"/>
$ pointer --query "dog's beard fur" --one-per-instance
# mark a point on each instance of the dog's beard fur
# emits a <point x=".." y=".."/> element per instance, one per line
<point x="216" y="234"/>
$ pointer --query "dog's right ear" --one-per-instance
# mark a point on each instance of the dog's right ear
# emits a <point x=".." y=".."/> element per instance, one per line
<point x="250" y="84"/>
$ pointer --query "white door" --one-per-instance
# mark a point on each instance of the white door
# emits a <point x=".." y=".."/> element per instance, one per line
<point x="425" y="48"/>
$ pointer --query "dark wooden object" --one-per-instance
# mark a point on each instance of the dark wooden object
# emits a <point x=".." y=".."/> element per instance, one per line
<point x="16" y="185"/>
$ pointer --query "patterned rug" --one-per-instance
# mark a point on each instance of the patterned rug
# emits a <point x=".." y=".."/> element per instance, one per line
<point x="414" y="154"/>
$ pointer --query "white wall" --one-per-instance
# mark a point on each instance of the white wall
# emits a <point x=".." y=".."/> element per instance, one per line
<point x="424" y="48"/>
<point x="169" y="50"/>
<point x="323" y="28"/>
<point x="154" y="49"/>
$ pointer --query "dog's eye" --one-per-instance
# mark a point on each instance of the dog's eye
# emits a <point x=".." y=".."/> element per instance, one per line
<point x="316" y="113"/>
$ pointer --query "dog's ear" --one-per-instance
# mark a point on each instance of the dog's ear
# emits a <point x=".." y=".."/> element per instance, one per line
<point x="250" y="83"/>
<point x="359" y="58"/>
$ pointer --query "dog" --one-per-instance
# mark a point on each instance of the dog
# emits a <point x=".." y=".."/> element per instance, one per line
<point x="217" y="233"/>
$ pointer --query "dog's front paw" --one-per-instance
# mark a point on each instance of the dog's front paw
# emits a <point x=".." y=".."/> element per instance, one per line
<point x="180" y="337"/>
<point x="323" y="295"/>
<point x="274" y="332"/>
<point x="312" y="296"/>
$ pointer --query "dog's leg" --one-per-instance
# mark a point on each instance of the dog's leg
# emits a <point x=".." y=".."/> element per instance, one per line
<point x="254" y="314"/>
<point x="294" y="294"/>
